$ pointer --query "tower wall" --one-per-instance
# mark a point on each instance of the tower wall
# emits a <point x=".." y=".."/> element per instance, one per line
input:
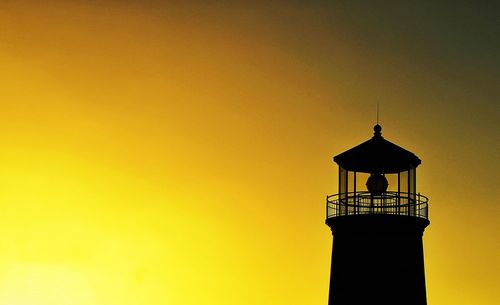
<point x="377" y="259"/>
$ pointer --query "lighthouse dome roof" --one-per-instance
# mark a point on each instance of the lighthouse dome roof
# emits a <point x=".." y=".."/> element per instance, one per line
<point x="377" y="155"/>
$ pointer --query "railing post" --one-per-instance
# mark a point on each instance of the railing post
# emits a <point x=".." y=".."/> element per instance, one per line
<point x="371" y="205"/>
<point x="418" y="202"/>
<point x="326" y="206"/>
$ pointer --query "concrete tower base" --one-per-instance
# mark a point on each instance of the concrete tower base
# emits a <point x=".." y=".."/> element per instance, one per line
<point x="377" y="259"/>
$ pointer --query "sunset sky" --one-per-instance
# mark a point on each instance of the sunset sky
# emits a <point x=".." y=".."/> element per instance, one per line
<point x="177" y="152"/>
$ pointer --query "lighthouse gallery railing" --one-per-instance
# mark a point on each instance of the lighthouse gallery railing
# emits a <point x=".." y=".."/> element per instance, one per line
<point x="390" y="203"/>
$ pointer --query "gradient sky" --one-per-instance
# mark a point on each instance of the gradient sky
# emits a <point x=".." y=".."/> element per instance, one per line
<point x="157" y="152"/>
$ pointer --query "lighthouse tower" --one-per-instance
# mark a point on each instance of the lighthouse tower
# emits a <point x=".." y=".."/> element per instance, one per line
<point x="377" y="220"/>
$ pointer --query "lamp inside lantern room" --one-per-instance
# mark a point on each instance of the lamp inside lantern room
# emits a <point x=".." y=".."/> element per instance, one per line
<point x="377" y="184"/>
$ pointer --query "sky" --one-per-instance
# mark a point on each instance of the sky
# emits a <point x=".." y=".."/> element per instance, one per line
<point x="176" y="152"/>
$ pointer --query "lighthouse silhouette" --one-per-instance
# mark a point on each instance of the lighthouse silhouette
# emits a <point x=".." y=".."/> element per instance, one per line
<point x="377" y="221"/>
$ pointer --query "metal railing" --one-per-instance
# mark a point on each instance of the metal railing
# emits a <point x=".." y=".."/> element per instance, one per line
<point x="390" y="203"/>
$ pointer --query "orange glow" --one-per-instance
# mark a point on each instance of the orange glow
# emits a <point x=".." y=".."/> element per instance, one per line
<point x="176" y="154"/>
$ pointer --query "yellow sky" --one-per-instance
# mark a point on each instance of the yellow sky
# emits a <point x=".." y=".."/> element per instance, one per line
<point x="181" y="154"/>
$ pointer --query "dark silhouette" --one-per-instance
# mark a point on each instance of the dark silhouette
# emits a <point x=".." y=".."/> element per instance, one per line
<point x="377" y="255"/>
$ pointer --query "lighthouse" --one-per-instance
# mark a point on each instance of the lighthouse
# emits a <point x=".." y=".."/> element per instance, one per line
<point x="377" y="219"/>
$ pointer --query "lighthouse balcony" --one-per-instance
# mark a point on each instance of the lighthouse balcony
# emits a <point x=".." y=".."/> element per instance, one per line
<point x="365" y="203"/>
